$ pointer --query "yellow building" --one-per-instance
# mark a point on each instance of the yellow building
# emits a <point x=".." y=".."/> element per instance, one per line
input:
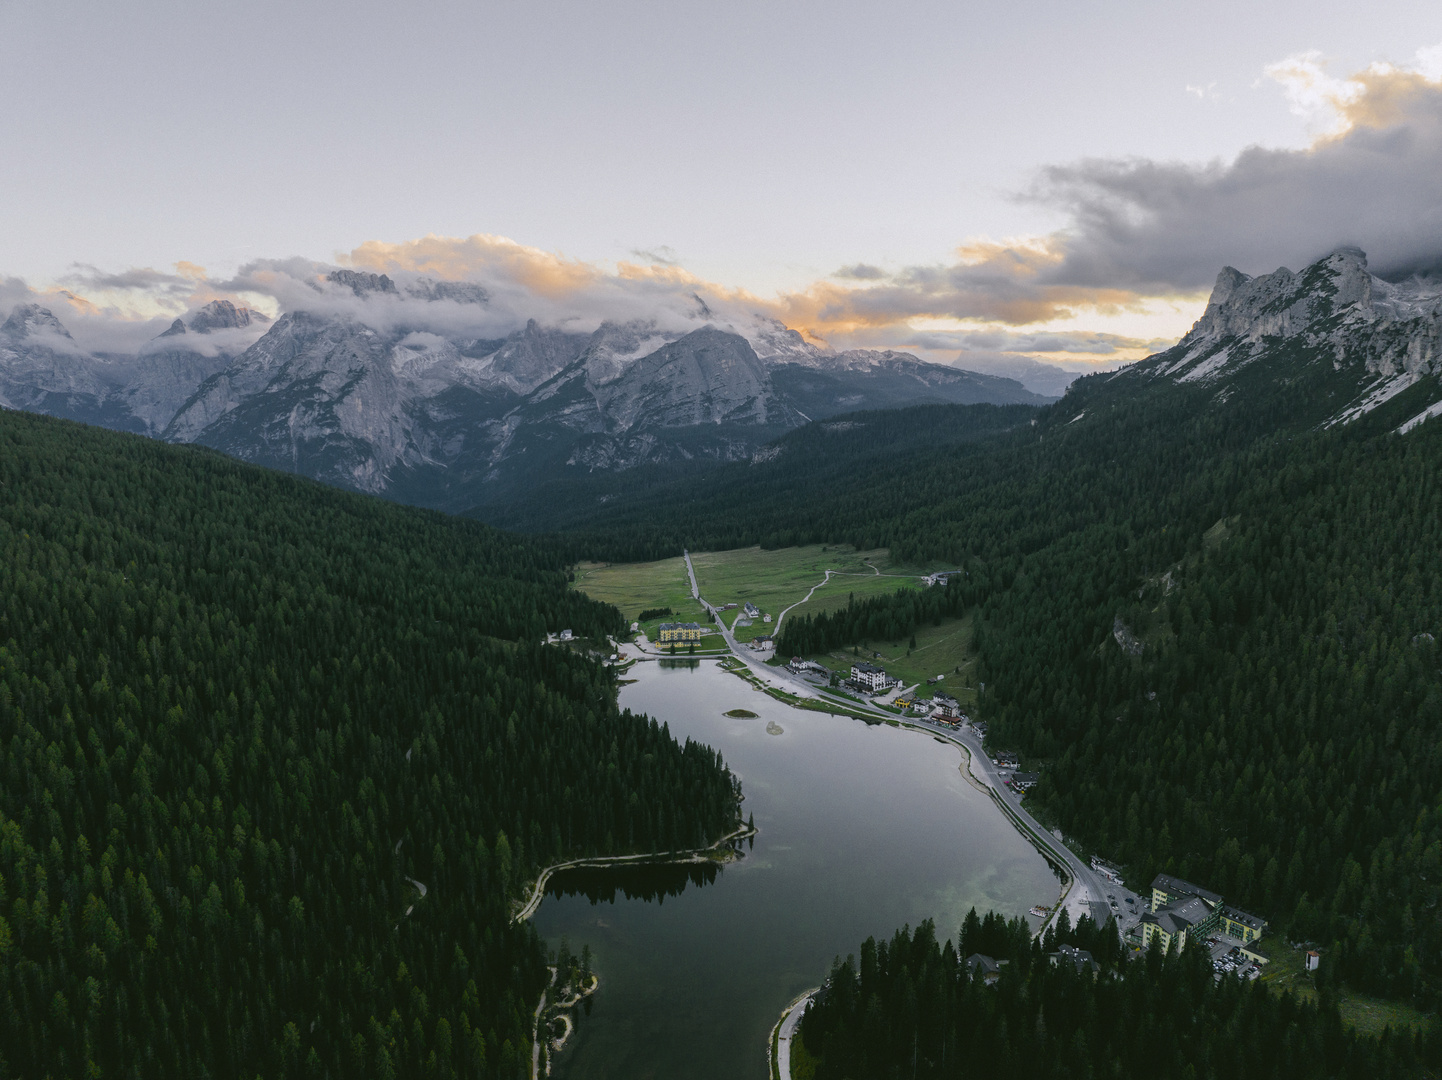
<point x="678" y="633"/>
<point x="1176" y="922"/>
<point x="1245" y="927"/>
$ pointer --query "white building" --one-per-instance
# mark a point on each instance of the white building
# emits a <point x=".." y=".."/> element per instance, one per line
<point x="869" y="677"/>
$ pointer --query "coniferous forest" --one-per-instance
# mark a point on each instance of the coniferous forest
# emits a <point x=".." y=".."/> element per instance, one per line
<point x="274" y="762"/>
<point x="912" y="1008"/>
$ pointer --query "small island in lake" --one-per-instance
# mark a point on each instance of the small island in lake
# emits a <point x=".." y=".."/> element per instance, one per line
<point x="742" y="714"/>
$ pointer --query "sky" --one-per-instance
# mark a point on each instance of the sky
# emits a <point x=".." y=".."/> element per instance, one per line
<point x="1051" y="180"/>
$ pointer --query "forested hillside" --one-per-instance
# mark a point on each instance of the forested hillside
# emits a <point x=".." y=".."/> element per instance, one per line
<point x="274" y="760"/>
<point x="804" y="485"/>
<point x="1279" y="736"/>
<point x="911" y="1008"/>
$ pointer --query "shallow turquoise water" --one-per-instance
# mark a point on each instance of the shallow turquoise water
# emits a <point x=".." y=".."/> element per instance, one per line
<point x="863" y="829"/>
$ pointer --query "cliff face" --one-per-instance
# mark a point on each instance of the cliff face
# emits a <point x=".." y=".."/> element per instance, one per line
<point x="1267" y="335"/>
<point x="1334" y="305"/>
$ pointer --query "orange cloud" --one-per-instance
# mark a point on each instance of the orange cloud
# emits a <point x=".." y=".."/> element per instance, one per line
<point x="543" y="272"/>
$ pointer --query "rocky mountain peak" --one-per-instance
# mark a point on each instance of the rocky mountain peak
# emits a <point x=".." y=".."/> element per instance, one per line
<point x="362" y="283"/>
<point x="27" y="320"/>
<point x="615" y="346"/>
<point x="216" y="315"/>
<point x="223" y="315"/>
<point x="777" y="343"/>
<point x="532" y="355"/>
<point x="459" y="292"/>
<point x="1377" y="338"/>
<point x="1335" y="290"/>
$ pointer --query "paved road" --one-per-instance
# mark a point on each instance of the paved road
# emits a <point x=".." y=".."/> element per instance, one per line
<point x="1087" y="886"/>
<point x="790" y="1021"/>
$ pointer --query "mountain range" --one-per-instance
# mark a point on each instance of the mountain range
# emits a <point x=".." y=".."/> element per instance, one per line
<point x="453" y="422"/>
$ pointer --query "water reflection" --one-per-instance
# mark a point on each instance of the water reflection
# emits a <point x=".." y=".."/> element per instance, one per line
<point x="655" y="882"/>
<point x="863" y="829"/>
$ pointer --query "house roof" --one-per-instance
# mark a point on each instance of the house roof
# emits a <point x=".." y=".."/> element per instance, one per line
<point x="987" y="965"/>
<point x="1179" y="916"/>
<point x="868" y="669"/>
<point x="1079" y="958"/>
<point x="1256" y="922"/>
<point x="679" y="626"/>
<point x="1177" y="887"/>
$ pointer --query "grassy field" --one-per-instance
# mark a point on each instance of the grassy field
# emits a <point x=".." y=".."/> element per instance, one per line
<point x="940" y="650"/>
<point x="637" y="587"/>
<point x="1287" y="971"/>
<point x="774" y="580"/>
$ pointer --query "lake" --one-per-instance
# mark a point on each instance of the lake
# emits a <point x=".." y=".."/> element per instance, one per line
<point x="863" y="828"/>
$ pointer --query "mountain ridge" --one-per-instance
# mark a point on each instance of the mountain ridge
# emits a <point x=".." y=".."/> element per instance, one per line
<point x="448" y="420"/>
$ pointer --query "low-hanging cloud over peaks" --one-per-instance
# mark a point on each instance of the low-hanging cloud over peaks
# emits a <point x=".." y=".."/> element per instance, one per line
<point x="1142" y="243"/>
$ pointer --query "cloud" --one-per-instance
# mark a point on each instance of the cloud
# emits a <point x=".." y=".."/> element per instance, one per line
<point x="136" y="279"/>
<point x="1369" y="180"/>
<point x="1083" y="342"/>
<point x="658" y="256"/>
<point x="1140" y="237"/>
<point x="860" y="272"/>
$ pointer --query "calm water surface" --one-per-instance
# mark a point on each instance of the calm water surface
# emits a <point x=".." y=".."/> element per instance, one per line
<point x="863" y="829"/>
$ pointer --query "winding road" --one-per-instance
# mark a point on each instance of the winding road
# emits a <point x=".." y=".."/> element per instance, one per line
<point x="1084" y="886"/>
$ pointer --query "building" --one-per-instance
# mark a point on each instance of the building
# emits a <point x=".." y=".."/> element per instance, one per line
<point x="566" y="635"/>
<point x="1167" y="889"/>
<point x="1241" y="925"/>
<point x="1314" y="960"/>
<point x="678" y="633"/>
<point x="1181" y="910"/>
<point x="799" y="666"/>
<point x="766" y="618"/>
<point x="1024" y="781"/>
<point x="988" y="969"/>
<point x="1080" y="959"/>
<point x="1188" y="919"/>
<point x="869" y="677"/>
<point x="751" y="610"/>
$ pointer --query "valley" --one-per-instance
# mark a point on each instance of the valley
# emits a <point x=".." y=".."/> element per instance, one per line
<point x="1182" y="619"/>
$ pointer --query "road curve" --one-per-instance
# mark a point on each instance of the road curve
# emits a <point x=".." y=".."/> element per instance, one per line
<point x="1085" y="886"/>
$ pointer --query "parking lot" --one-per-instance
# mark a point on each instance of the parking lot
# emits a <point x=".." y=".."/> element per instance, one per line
<point x="1227" y="958"/>
<point x="1126" y="906"/>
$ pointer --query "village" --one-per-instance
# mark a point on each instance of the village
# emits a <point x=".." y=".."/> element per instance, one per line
<point x="1174" y="914"/>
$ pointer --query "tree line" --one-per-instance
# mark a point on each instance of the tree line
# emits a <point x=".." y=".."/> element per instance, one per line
<point x="912" y="1008"/>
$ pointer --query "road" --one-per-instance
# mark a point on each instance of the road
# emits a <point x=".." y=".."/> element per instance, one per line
<point x="1086" y="885"/>
<point x="790" y="1021"/>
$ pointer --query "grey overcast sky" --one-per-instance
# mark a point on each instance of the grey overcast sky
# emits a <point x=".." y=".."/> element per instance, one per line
<point x="760" y="146"/>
